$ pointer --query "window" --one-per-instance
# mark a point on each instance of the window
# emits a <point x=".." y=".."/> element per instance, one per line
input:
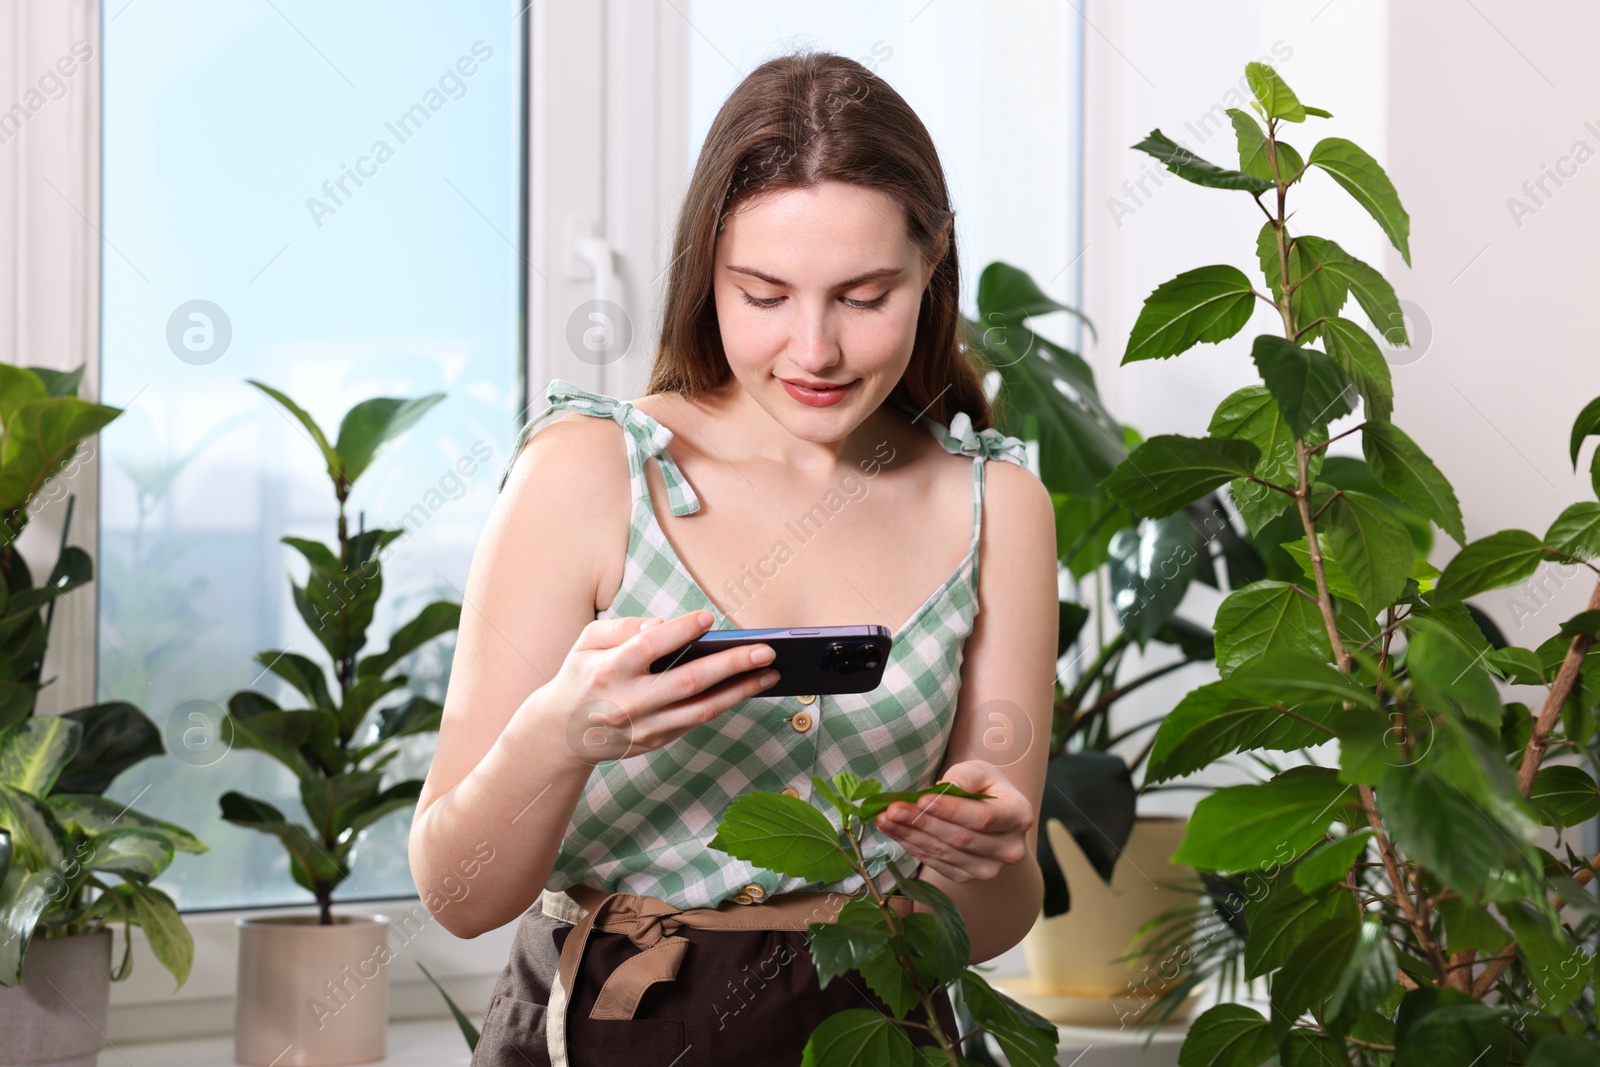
<point x="326" y="199"/>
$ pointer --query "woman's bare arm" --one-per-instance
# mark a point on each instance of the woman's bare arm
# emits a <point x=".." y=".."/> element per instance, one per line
<point x="503" y="784"/>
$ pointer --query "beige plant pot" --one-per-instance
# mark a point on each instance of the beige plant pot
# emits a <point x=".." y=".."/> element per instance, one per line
<point x="1075" y="974"/>
<point x="310" y="995"/>
<point x="57" y="1016"/>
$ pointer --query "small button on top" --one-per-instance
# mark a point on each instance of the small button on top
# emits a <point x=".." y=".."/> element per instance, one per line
<point x="791" y="792"/>
<point x="754" y="890"/>
<point x="801" y="721"/>
<point x="809" y="698"/>
<point x="743" y="898"/>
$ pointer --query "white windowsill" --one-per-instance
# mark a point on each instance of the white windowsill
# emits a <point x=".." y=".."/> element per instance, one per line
<point x="144" y="1007"/>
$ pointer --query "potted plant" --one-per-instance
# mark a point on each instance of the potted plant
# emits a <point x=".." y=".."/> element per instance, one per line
<point x="314" y="989"/>
<point x="71" y="861"/>
<point x="1415" y="897"/>
<point x="1139" y="569"/>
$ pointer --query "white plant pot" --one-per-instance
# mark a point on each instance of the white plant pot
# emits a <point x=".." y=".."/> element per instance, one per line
<point x="1075" y="974"/>
<point x="310" y="995"/>
<point x="56" y="1017"/>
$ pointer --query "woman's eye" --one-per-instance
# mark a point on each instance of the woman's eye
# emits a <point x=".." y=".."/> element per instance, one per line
<point x="771" y="302"/>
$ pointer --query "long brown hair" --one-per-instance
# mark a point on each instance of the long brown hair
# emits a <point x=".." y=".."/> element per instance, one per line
<point x="793" y="123"/>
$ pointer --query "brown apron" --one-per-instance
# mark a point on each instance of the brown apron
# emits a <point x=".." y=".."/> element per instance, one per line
<point x="621" y="980"/>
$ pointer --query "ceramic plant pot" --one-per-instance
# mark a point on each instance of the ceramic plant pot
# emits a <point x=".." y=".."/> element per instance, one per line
<point x="310" y="995"/>
<point x="1075" y="975"/>
<point x="57" y="1016"/>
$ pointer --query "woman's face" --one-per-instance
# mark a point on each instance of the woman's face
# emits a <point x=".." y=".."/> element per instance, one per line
<point x="819" y="286"/>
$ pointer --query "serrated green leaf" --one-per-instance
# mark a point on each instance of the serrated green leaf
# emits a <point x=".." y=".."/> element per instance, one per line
<point x="1362" y="177"/>
<point x="784" y="834"/>
<point x="1277" y="99"/>
<point x="1168" y="471"/>
<point x="1190" y="167"/>
<point x="1407" y="472"/>
<point x="1208" y="304"/>
<point x="1309" y="387"/>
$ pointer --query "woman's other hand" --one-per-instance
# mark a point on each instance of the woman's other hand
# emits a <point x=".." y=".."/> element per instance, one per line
<point x="961" y="838"/>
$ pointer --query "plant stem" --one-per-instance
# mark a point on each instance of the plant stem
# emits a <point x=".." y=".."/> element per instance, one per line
<point x="1560" y="689"/>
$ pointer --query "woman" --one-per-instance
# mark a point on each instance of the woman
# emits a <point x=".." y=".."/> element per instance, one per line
<point x="829" y="464"/>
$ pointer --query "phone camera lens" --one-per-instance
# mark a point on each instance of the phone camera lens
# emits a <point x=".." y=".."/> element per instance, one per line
<point x="846" y="659"/>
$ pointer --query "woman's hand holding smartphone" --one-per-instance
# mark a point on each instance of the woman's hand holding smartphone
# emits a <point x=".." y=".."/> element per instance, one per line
<point x="609" y="705"/>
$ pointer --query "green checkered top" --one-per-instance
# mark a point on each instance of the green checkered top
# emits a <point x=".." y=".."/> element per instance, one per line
<point x="643" y="823"/>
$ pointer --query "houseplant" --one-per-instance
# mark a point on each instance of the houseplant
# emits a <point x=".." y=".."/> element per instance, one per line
<point x="295" y="987"/>
<point x="71" y="861"/>
<point x="1139" y="569"/>
<point x="905" y="960"/>
<point x="1398" y="902"/>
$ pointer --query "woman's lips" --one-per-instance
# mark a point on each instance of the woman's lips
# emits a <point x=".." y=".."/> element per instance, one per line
<point x="817" y="398"/>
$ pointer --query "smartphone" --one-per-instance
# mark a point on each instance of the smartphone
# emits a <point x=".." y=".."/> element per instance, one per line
<point x="824" y="660"/>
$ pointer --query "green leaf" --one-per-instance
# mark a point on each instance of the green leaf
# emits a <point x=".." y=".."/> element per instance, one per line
<point x="373" y="423"/>
<point x="1577" y="531"/>
<point x="1443" y="829"/>
<point x="1368" y="977"/>
<point x="1208" y="304"/>
<point x="1277" y="99"/>
<point x="39" y="440"/>
<point x="886" y="977"/>
<point x="132" y="854"/>
<point x="1010" y="294"/>
<point x="1501" y="559"/>
<point x="435" y="620"/>
<point x="1185" y="164"/>
<point x="1520" y="666"/>
<point x="1253" y="156"/>
<point x="1308" y="385"/>
<point x="1214" y="720"/>
<point x="1168" y="471"/>
<point x="1373" y="547"/>
<point x="1557" y="968"/>
<point x="1357" y="354"/>
<point x="783" y="834"/>
<point x="1365" y="180"/>
<point x="397" y="796"/>
<point x="1280" y="920"/>
<point x="311" y="867"/>
<point x="1339" y="584"/>
<point x="1585" y="425"/>
<point x="1330" y="861"/>
<point x="1565" y="795"/>
<point x="1311" y="973"/>
<point x="419" y="715"/>
<point x="1250" y="414"/>
<point x="58" y="382"/>
<point x="954" y="946"/>
<point x="468" y="1031"/>
<point x="34" y="752"/>
<point x="317" y="436"/>
<point x="1438" y="1026"/>
<point x="1300" y="680"/>
<point x="1024" y="1036"/>
<point x="20" y="386"/>
<point x="331" y="801"/>
<point x="1371" y="290"/>
<point x="1446" y="680"/>
<point x="859" y="933"/>
<point x="1407" y="472"/>
<point x="92" y="814"/>
<point x="1242" y="827"/>
<point x="1469" y="925"/>
<point x="857" y="1037"/>
<point x="1563" y="1050"/>
<point x="24" y="896"/>
<point x="1315" y="294"/>
<point x="1228" y="1035"/>
<point x="305" y="675"/>
<point x="1150" y="570"/>
<point x="38" y="840"/>
<point x="1263" y="618"/>
<point x="116" y="735"/>
<point x="170" y="941"/>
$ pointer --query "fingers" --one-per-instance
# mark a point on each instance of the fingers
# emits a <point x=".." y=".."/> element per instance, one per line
<point x="674" y="720"/>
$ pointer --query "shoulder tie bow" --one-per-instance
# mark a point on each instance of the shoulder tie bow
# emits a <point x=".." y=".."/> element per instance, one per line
<point x="989" y="443"/>
<point x="650" y="436"/>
